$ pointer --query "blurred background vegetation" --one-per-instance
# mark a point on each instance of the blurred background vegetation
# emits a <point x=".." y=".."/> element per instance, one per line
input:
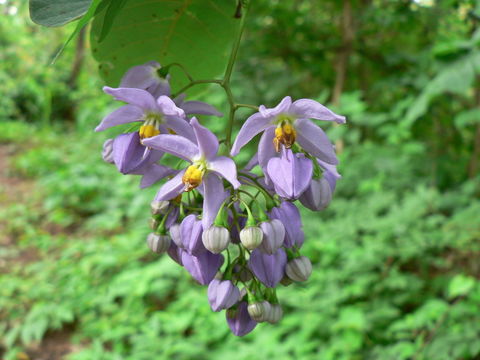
<point x="396" y="255"/>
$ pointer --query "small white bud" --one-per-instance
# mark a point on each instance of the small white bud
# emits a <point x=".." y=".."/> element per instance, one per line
<point x="158" y="243"/>
<point x="216" y="239"/>
<point x="251" y="237"/>
<point x="299" y="269"/>
<point x="159" y="207"/>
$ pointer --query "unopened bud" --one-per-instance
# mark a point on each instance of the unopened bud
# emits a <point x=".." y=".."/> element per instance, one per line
<point x="259" y="311"/>
<point x="158" y="243"/>
<point x="216" y="239"/>
<point x="273" y="236"/>
<point x="242" y="273"/>
<point x="251" y="237"/>
<point x="299" y="269"/>
<point x="159" y="207"/>
<point x="107" y="151"/>
<point x="318" y="195"/>
<point x="276" y="314"/>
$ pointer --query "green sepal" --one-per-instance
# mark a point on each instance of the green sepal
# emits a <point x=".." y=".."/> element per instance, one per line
<point x="222" y="218"/>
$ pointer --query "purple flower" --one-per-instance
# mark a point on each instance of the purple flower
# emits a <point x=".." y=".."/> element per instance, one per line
<point x="269" y="269"/>
<point x="131" y="157"/>
<point x="222" y="294"/>
<point x="288" y="123"/>
<point x="158" y="115"/>
<point x="290" y="174"/>
<point x="239" y="320"/>
<point x="205" y="170"/>
<point x="290" y="217"/>
<point x="146" y="77"/>
<point x="202" y="267"/>
<point x="191" y="235"/>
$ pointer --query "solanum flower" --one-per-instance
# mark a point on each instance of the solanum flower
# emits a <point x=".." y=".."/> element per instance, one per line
<point x="159" y="116"/>
<point x="206" y="168"/>
<point x="288" y="123"/>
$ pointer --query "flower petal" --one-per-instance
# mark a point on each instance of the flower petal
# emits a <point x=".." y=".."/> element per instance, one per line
<point x="266" y="149"/>
<point x="140" y="77"/>
<point x="226" y="168"/>
<point x="138" y="97"/>
<point x="213" y="197"/>
<point x="171" y="188"/>
<point x="291" y="174"/>
<point x="311" y="109"/>
<point x="168" y="107"/>
<point x="313" y="140"/>
<point x="181" y="127"/>
<point x="130" y="156"/>
<point x="206" y="140"/>
<point x="153" y="173"/>
<point x="123" y="115"/>
<point x="282" y="107"/>
<point x="173" y="144"/>
<point x="331" y="173"/>
<point x="199" y="108"/>
<point x="254" y="125"/>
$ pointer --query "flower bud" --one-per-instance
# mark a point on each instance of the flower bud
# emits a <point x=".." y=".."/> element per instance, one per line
<point x="216" y="239"/>
<point x="251" y="237"/>
<point x="107" y="151"/>
<point x="259" y="311"/>
<point x="159" y="207"/>
<point x="239" y="320"/>
<point x="273" y="236"/>
<point x="318" y="195"/>
<point x="269" y="269"/>
<point x="191" y="234"/>
<point x="202" y="267"/>
<point x="222" y="294"/>
<point x="299" y="269"/>
<point x="276" y="314"/>
<point x="158" y="243"/>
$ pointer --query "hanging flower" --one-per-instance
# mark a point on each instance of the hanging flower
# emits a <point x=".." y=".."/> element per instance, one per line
<point x="206" y="168"/>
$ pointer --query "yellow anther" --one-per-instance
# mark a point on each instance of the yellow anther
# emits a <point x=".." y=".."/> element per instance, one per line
<point x="170" y="131"/>
<point x="192" y="177"/>
<point x="284" y="135"/>
<point x="148" y="131"/>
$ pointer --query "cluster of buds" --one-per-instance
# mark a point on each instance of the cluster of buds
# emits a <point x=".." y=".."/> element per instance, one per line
<point x="237" y="231"/>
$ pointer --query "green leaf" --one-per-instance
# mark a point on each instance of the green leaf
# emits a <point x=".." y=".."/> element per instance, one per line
<point x="195" y="33"/>
<point x="82" y="22"/>
<point x="467" y="117"/>
<point x="57" y="12"/>
<point x="460" y="285"/>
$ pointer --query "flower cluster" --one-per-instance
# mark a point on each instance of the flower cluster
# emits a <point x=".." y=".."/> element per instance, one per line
<point x="237" y="231"/>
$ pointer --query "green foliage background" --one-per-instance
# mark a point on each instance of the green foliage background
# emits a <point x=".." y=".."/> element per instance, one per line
<point x="396" y="269"/>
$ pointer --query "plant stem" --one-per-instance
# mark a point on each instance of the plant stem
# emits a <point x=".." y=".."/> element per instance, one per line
<point x="228" y="75"/>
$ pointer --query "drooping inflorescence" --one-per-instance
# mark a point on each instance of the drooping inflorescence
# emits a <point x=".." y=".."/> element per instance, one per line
<point x="237" y="231"/>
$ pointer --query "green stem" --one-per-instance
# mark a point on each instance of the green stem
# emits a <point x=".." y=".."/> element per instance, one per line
<point x="197" y="82"/>
<point x="228" y="75"/>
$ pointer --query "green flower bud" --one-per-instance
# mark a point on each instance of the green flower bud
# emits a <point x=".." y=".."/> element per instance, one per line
<point x="299" y="269"/>
<point x="216" y="239"/>
<point x="158" y="243"/>
<point x="251" y="237"/>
